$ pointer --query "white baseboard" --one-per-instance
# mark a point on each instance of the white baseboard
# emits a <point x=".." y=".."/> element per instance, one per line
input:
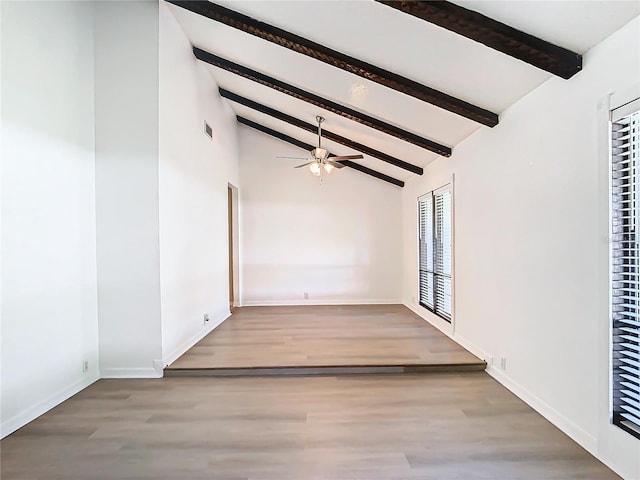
<point x="473" y="348"/>
<point x="435" y="321"/>
<point x="12" y="424"/>
<point x="191" y="341"/>
<point x="310" y="302"/>
<point x="579" y="435"/>
<point x="130" y="373"/>
<point x="31" y="413"/>
<point x="586" y="440"/>
<point x="463" y="342"/>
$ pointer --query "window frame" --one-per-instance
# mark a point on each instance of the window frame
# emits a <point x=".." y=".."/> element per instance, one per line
<point x="449" y="321"/>
<point x="616" y="113"/>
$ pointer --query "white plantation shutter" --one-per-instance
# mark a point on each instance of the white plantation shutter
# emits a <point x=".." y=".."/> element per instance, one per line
<point x="443" y="253"/>
<point x="425" y="209"/>
<point x="434" y="211"/>
<point x="625" y="267"/>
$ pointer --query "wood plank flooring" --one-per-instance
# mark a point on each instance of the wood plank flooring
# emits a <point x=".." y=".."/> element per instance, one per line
<point x="324" y="339"/>
<point x="461" y="426"/>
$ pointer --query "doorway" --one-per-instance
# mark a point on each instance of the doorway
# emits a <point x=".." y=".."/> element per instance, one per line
<point x="234" y="280"/>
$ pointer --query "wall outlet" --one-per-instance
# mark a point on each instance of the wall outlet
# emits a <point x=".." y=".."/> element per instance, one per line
<point x="306" y="295"/>
<point x="503" y="363"/>
<point x="85" y="366"/>
<point x="206" y="318"/>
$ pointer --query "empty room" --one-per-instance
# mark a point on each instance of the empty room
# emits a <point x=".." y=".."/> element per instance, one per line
<point x="349" y="240"/>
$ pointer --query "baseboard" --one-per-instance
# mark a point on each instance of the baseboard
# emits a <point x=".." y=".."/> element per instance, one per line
<point x="310" y="302"/>
<point x="463" y="342"/>
<point x="130" y="373"/>
<point x="587" y="441"/>
<point x="440" y="324"/>
<point x="473" y="348"/>
<point x="579" y="435"/>
<point x="191" y="341"/>
<point x="21" y="419"/>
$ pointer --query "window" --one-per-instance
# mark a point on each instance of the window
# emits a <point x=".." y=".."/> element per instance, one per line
<point x="434" y="218"/>
<point x="625" y="267"/>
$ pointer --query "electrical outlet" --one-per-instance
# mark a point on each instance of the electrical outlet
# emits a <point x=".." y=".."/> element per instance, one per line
<point x="503" y="363"/>
<point x="85" y="366"/>
<point x="206" y="318"/>
<point x="306" y="295"/>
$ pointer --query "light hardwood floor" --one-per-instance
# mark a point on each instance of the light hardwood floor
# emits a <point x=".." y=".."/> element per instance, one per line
<point x="439" y="427"/>
<point x="313" y="336"/>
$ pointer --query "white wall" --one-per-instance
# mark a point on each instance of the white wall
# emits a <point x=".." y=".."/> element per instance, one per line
<point x="88" y="186"/>
<point x="49" y="311"/>
<point x="193" y="172"/>
<point x="126" y="86"/>
<point x="531" y="248"/>
<point x="339" y="240"/>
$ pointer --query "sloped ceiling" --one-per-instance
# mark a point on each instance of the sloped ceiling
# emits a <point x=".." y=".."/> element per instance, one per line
<point x="400" y="43"/>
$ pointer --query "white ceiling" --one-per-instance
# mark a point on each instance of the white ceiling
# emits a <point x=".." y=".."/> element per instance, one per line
<point x="576" y="25"/>
<point x="402" y="44"/>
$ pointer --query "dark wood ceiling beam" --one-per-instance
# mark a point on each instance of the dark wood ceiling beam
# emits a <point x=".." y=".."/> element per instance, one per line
<point x="234" y="97"/>
<point x="321" y="102"/>
<point x="308" y="147"/>
<point x="371" y="172"/>
<point x="337" y="59"/>
<point x="274" y="133"/>
<point x="493" y="34"/>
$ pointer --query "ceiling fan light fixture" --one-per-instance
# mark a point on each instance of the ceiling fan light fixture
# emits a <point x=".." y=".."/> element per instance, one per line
<point x="315" y="168"/>
<point x="319" y="157"/>
<point x="321" y="153"/>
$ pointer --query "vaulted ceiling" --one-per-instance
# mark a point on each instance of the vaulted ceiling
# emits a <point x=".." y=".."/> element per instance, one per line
<point x="416" y="78"/>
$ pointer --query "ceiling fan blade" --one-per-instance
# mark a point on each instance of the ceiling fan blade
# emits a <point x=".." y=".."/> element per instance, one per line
<point x="334" y="164"/>
<point x="295" y="158"/>
<point x="305" y="164"/>
<point x="346" y="157"/>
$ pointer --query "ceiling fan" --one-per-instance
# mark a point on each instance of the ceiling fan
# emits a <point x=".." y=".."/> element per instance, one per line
<point x="319" y="157"/>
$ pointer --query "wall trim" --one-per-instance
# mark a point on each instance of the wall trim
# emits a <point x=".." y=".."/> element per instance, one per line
<point x="310" y="302"/>
<point x="31" y="413"/>
<point x="130" y="373"/>
<point x="583" y="438"/>
<point x="191" y="341"/>
<point x="442" y="325"/>
<point x="467" y="344"/>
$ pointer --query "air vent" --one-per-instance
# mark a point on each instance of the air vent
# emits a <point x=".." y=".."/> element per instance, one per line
<point x="208" y="130"/>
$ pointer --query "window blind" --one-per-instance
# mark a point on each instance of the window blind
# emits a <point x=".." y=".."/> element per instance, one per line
<point x="434" y="212"/>
<point x="625" y="268"/>
<point x="443" y="253"/>
<point x="425" y="210"/>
